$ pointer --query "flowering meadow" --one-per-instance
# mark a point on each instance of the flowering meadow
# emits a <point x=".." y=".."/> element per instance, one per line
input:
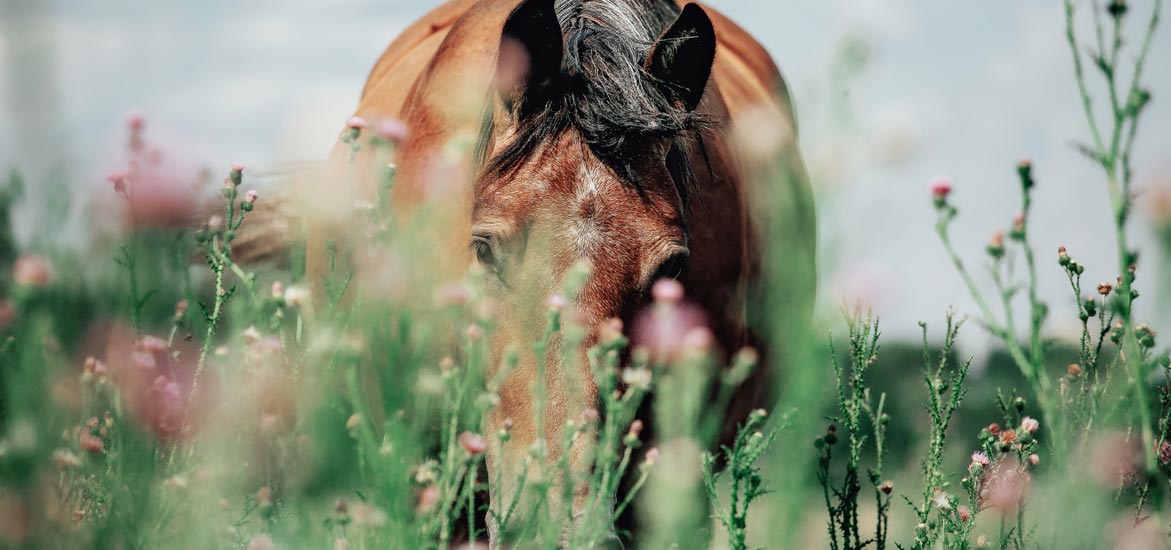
<point x="164" y="388"/>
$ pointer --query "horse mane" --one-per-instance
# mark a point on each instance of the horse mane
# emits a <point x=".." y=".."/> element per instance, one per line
<point x="605" y="94"/>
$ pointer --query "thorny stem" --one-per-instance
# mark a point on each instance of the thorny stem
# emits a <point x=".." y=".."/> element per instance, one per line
<point x="1120" y="196"/>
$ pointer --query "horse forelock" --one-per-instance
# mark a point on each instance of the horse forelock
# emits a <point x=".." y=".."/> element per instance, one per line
<point x="604" y="94"/>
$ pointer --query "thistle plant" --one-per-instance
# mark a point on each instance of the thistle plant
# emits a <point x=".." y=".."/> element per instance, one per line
<point x="1111" y="148"/>
<point x="747" y="478"/>
<point x="855" y="406"/>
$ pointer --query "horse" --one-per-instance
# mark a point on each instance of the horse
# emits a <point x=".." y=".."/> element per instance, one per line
<point x="599" y="130"/>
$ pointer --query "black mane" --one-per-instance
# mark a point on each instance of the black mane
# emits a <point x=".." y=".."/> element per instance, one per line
<point x="604" y="93"/>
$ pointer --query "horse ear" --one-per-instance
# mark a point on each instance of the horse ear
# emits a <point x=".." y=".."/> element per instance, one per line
<point x="531" y="50"/>
<point x="681" y="59"/>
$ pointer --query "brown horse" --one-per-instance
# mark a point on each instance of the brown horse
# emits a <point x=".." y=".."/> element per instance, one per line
<point x="602" y="133"/>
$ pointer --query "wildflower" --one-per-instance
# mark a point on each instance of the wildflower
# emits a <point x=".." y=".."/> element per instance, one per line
<point x="1074" y="370"/>
<point x="637" y="378"/>
<point x="1063" y="257"/>
<point x="994" y="428"/>
<point x="940" y="189"/>
<point x="392" y="129"/>
<point x="1018" y="228"/>
<point x="667" y="291"/>
<point x="1034" y="459"/>
<point x="698" y="341"/>
<point x="589" y="415"/>
<point x="472" y="443"/>
<point x="64" y="459"/>
<point x="1024" y="169"/>
<point x="651" y="457"/>
<point x="981" y="458"/>
<point x="964" y="512"/>
<point x="887" y="487"/>
<point x="428" y="498"/>
<point x="1030" y="424"/>
<point x="633" y="433"/>
<point x="91" y="443"/>
<point x="1007" y="437"/>
<point x="453" y="295"/>
<point x="32" y="270"/>
<point x="557" y="302"/>
<point x="261" y="542"/>
<point x="1006" y="488"/>
<point x="941" y="501"/>
<point x="134" y="120"/>
<point x="1145" y="335"/>
<point x="610" y="333"/>
<point x="154" y="344"/>
<point x="427" y="472"/>
<point x="475" y="332"/>
<point x="996" y="245"/>
<point x="1115" y="460"/>
<point x="354" y="421"/>
<point x="1105" y="288"/>
<point x="662" y="329"/>
<point x="356" y="123"/>
<point x="368" y="516"/>
<point x="120" y="180"/>
<point x="264" y="496"/>
<point x="278" y="290"/>
<point x="297" y="296"/>
<point x="180" y="309"/>
<point x="215" y="223"/>
<point x="251" y="196"/>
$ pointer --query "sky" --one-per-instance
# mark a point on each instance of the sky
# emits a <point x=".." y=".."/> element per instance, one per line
<point x="889" y="94"/>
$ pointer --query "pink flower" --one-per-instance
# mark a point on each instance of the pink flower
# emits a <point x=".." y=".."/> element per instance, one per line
<point x="428" y="498"/>
<point x="663" y="328"/>
<point x="652" y="456"/>
<point x="154" y="344"/>
<point x="90" y="443"/>
<point x="251" y="196"/>
<point x="135" y="121"/>
<point x="356" y="123"/>
<point x="1164" y="452"/>
<point x="1030" y="424"/>
<point x="964" y="512"/>
<point x="667" y="291"/>
<point x="32" y="270"/>
<point x="472" y="443"/>
<point x="1034" y="459"/>
<point x="261" y="542"/>
<point x="558" y="302"/>
<point x="941" y="187"/>
<point x="392" y="130"/>
<point x="475" y="332"/>
<point x="453" y="295"/>
<point x="237" y="167"/>
<point x="981" y="458"/>
<point x="698" y="340"/>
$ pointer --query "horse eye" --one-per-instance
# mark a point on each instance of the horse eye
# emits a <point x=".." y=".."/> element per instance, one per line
<point x="484" y="254"/>
<point x="673" y="267"/>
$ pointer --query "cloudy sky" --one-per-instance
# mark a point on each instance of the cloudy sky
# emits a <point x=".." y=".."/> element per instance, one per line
<point x="889" y="94"/>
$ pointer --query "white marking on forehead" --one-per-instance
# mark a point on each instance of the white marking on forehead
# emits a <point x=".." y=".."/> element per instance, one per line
<point x="588" y="187"/>
<point x="583" y="225"/>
